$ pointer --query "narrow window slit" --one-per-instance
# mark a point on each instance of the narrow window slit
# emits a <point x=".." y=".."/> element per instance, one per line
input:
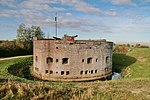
<point x="81" y="72"/>
<point x="86" y="72"/>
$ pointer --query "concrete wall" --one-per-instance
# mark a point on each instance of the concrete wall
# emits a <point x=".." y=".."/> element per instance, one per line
<point x="85" y="60"/>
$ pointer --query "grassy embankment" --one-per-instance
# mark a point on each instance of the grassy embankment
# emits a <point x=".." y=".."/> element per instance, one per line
<point x="135" y="67"/>
<point x="134" y="64"/>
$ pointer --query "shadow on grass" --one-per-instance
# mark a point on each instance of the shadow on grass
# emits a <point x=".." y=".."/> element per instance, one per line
<point x="121" y="61"/>
<point x="21" y="70"/>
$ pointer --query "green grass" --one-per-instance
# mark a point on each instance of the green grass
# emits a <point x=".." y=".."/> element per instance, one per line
<point x="134" y="66"/>
<point x="6" y="64"/>
<point x="141" y="68"/>
<point x="136" y="89"/>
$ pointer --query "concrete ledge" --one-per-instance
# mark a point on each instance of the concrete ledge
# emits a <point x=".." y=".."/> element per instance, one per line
<point x="73" y="79"/>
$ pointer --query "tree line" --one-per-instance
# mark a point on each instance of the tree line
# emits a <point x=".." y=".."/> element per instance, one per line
<point x="23" y="44"/>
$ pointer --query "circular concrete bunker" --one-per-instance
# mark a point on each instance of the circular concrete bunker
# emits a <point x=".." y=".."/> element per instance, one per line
<point x="77" y="60"/>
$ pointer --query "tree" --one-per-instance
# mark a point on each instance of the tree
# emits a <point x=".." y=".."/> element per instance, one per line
<point x="8" y="45"/>
<point x="20" y="36"/>
<point x="25" y="36"/>
<point x="37" y="32"/>
<point x="28" y="39"/>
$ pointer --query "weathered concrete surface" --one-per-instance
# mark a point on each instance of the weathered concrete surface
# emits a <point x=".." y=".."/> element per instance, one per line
<point x="79" y="60"/>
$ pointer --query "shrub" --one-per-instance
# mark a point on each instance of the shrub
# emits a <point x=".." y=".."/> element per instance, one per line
<point x="9" y="48"/>
<point x="121" y="48"/>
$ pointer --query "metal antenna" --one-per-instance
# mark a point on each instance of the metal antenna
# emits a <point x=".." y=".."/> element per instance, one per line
<point x="56" y="24"/>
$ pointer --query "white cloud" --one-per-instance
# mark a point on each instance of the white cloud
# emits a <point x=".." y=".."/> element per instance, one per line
<point x="128" y="26"/>
<point x="111" y="13"/>
<point x="84" y="25"/>
<point x="20" y="13"/>
<point x="9" y="13"/>
<point x="44" y="5"/>
<point x="129" y="14"/>
<point x="147" y="0"/>
<point x="122" y="1"/>
<point x="40" y="5"/>
<point x="81" y="6"/>
<point x="9" y="3"/>
<point x="37" y="18"/>
<point x="26" y="15"/>
<point x="69" y="14"/>
<point x="32" y="12"/>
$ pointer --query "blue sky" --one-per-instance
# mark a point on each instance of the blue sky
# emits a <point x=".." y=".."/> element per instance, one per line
<point x="114" y="20"/>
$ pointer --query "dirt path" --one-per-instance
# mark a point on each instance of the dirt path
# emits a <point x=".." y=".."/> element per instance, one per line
<point x="15" y="57"/>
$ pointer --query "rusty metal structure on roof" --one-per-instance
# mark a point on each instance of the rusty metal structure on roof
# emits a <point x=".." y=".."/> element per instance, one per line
<point x="68" y="59"/>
